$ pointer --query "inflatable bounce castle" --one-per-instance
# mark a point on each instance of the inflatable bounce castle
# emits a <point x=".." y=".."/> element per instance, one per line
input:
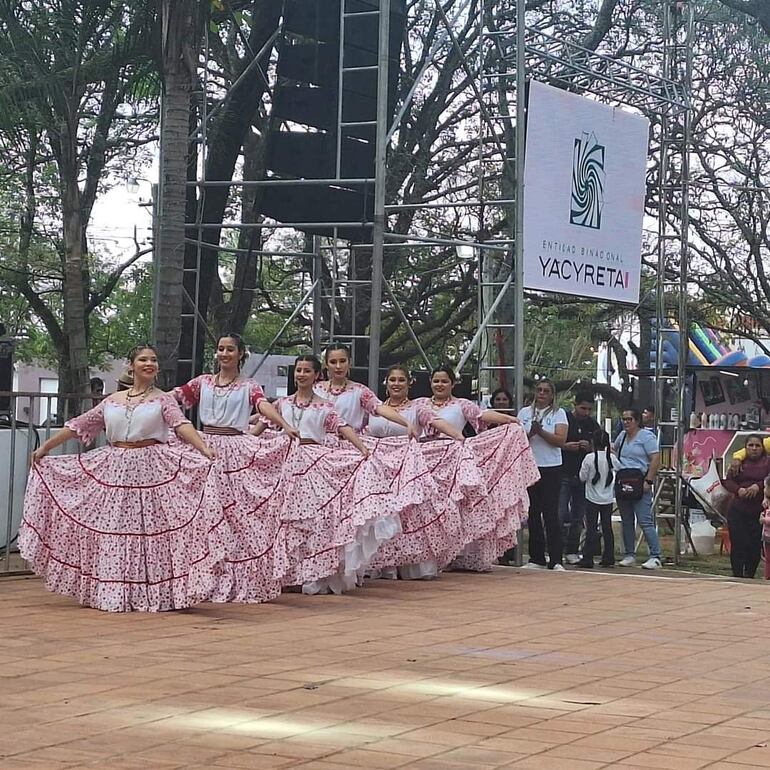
<point x="705" y="348"/>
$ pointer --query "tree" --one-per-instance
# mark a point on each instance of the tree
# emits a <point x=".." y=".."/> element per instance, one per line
<point x="67" y="70"/>
<point x="178" y="63"/>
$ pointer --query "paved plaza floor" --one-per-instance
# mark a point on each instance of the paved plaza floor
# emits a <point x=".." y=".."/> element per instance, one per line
<point x="512" y="669"/>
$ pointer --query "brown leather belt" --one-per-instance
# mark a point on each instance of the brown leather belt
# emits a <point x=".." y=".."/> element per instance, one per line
<point x="135" y="444"/>
<point x="307" y="441"/>
<point x="214" y="430"/>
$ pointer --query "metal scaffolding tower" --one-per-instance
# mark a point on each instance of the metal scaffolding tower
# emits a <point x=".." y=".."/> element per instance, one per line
<point x="346" y="264"/>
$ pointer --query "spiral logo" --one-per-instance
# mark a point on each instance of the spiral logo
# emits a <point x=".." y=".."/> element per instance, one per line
<point x="588" y="176"/>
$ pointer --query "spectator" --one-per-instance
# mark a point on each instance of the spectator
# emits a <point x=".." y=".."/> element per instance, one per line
<point x="97" y="390"/>
<point x="598" y="473"/>
<point x="638" y="449"/>
<point x="546" y="426"/>
<point x="648" y="418"/>
<point x="501" y="401"/>
<point x="125" y="381"/>
<point x="746" y="481"/>
<point x="572" y="502"/>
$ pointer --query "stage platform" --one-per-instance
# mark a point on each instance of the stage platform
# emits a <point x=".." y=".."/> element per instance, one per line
<point x="511" y="669"/>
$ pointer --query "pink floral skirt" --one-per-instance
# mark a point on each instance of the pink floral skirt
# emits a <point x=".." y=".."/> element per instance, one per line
<point x="123" y="529"/>
<point x="336" y="508"/>
<point x="505" y="460"/>
<point x="249" y="531"/>
<point x="430" y="482"/>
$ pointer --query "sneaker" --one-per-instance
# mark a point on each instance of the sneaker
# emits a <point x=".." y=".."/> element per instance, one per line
<point x="585" y="564"/>
<point x="572" y="558"/>
<point x="558" y="568"/>
<point x="607" y="563"/>
<point x="533" y="565"/>
<point x="628" y="561"/>
<point x="652" y="563"/>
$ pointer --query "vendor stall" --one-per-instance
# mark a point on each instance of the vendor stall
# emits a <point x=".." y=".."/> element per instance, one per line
<point x="727" y="405"/>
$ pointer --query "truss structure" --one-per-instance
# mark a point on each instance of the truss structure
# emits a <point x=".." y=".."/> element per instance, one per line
<point x="507" y="53"/>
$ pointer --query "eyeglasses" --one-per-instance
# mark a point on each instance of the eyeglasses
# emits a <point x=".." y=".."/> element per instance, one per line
<point x="542" y="390"/>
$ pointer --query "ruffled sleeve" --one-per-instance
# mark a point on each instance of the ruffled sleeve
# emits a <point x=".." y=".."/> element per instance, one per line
<point x="423" y="413"/>
<point x="89" y="424"/>
<point x="190" y="394"/>
<point x="256" y="394"/>
<point x="332" y="421"/>
<point x="277" y="405"/>
<point x="472" y="413"/>
<point x="172" y="414"/>
<point x="369" y="400"/>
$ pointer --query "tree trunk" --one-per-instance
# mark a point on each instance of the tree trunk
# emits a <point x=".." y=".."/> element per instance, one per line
<point x="226" y="137"/>
<point x="233" y="315"/>
<point x="179" y="24"/>
<point x="74" y="269"/>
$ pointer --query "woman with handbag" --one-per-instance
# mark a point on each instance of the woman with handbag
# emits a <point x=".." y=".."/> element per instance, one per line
<point x="639" y="457"/>
<point x="746" y="481"/>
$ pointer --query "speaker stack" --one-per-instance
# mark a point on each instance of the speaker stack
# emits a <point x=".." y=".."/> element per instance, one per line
<point x="306" y="112"/>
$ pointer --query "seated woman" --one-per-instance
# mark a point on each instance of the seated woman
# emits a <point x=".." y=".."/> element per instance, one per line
<point x="127" y="526"/>
<point x="746" y="480"/>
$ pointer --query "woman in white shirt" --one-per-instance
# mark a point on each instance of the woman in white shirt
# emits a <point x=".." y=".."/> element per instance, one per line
<point x="598" y="473"/>
<point x="354" y="402"/>
<point x="430" y="489"/>
<point x="127" y="526"/>
<point x="248" y="529"/>
<point x="335" y="499"/>
<point x="546" y="425"/>
<point x="502" y="458"/>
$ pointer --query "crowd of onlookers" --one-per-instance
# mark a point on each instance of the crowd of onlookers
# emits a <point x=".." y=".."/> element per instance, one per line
<point x="585" y="476"/>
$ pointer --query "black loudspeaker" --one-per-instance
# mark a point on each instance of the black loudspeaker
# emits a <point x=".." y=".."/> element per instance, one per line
<point x="306" y="104"/>
<point x="7" y="346"/>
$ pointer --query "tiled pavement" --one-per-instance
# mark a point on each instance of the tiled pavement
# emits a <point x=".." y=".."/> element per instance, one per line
<point x="523" y="670"/>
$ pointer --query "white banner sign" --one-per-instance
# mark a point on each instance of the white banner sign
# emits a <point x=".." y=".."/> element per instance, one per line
<point x="584" y="186"/>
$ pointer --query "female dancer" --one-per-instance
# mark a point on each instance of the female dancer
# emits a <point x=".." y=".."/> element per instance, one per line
<point x="493" y="520"/>
<point x="354" y="402"/>
<point x="125" y="527"/>
<point x="335" y="503"/>
<point x="249" y="528"/>
<point x="432" y="527"/>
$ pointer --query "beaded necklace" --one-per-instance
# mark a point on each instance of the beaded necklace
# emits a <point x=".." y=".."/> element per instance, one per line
<point x="131" y="407"/>
<point x="221" y="395"/>
<point x="398" y="407"/>
<point x="333" y="390"/>
<point x="296" y="420"/>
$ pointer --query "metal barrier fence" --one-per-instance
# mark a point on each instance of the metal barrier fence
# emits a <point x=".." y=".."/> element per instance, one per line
<point x="27" y="419"/>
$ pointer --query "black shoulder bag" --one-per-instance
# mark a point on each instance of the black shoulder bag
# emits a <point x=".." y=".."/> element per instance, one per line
<point x="629" y="482"/>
